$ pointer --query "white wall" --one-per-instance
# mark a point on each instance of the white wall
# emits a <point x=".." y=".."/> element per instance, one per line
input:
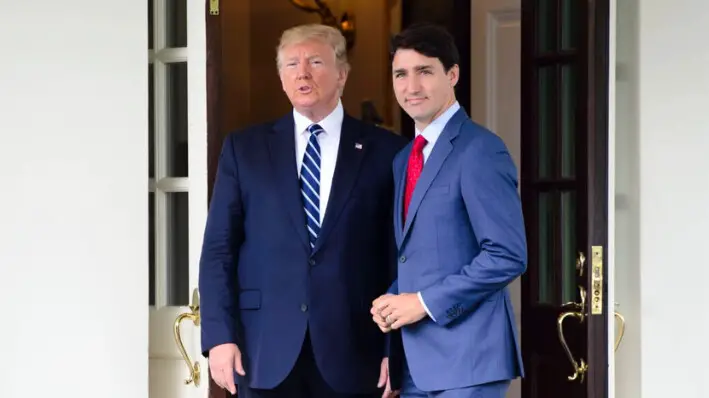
<point x="73" y="208"/>
<point x="662" y="202"/>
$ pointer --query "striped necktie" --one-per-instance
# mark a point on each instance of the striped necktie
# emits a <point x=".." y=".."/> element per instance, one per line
<point x="310" y="183"/>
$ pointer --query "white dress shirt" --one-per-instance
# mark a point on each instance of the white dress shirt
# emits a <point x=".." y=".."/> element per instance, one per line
<point x="434" y="130"/>
<point x="329" y="141"/>
<point x="431" y="134"/>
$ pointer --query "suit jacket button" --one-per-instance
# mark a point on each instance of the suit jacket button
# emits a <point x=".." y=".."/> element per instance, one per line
<point x="303" y="307"/>
<point x="311" y="261"/>
<point x="402" y="259"/>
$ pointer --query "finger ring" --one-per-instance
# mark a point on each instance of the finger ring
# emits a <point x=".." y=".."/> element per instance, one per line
<point x="388" y="319"/>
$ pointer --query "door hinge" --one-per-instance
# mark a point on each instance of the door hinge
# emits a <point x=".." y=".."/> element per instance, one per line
<point x="213" y="7"/>
<point x="596" y="280"/>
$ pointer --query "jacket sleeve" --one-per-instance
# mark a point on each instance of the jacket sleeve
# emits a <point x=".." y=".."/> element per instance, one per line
<point x="223" y="235"/>
<point x="489" y="190"/>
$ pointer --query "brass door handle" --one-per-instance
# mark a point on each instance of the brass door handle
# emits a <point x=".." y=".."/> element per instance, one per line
<point x="581" y="368"/>
<point x="621" y="333"/>
<point x="193" y="315"/>
<point x="579" y="307"/>
<point x="576" y="310"/>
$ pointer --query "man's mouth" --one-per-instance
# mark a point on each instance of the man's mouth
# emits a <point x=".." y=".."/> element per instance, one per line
<point x="415" y="101"/>
<point x="304" y="89"/>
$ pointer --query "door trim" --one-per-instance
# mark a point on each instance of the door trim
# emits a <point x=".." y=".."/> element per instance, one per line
<point x="598" y="170"/>
<point x="214" y="127"/>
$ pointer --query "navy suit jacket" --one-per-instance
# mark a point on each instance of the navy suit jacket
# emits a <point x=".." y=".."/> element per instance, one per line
<point x="262" y="287"/>
<point x="461" y="244"/>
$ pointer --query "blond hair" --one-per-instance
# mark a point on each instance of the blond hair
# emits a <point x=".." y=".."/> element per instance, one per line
<point x="318" y="32"/>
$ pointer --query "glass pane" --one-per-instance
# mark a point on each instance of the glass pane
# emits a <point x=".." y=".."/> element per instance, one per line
<point x="177" y="119"/>
<point x="151" y="247"/>
<point x="151" y="121"/>
<point x="570" y="24"/>
<point x="568" y="247"/>
<point x="546" y="25"/>
<point x="547" y="119"/>
<point x="176" y="23"/>
<point x="545" y="248"/>
<point x="150" y="25"/>
<point x="568" y="121"/>
<point x="177" y="248"/>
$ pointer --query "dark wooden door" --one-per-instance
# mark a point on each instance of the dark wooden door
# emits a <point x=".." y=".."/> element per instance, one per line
<point x="219" y="119"/>
<point x="564" y="193"/>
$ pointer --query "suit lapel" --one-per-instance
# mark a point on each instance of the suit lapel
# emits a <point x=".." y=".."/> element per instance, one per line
<point x="399" y="196"/>
<point x="281" y="146"/>
<point x="441" y="150"/>
<point x="349" y="160"/>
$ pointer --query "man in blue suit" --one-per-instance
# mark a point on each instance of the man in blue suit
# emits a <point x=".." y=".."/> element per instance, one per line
<point x="459" y="232"/>
<point x="298" y="240"/>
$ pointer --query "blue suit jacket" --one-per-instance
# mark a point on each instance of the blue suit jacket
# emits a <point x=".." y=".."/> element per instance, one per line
<point x="462" y="243"/>
<point x="261" y="286"/>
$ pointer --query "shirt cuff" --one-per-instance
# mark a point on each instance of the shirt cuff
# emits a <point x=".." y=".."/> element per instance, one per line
<point x="424" y="307"/>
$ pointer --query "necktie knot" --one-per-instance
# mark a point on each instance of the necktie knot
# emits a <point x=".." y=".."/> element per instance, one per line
<point x="419" y="143"/>
<point x="315" y="129"/>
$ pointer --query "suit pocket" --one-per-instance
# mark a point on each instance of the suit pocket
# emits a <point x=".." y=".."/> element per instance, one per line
<point x="250" y="299"/>
<point x="438" y="190"/>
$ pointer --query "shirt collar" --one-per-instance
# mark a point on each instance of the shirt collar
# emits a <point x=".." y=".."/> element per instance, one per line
<point x="434" y="130"/>
<point x="332" y="123"/>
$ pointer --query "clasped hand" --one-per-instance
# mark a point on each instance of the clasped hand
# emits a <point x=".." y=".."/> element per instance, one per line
<point x="393" y="311"/>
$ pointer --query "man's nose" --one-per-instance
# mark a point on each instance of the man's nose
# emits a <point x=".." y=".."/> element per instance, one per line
<point x="303" y="71"/>
<point x="413" y="85"/>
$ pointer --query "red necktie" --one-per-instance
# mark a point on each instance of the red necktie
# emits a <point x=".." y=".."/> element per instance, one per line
<point x="413" y="171"/>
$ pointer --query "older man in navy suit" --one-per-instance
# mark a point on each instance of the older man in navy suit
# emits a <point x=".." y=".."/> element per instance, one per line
<point x="298" y="240"/>
<point x="459" y="231"/>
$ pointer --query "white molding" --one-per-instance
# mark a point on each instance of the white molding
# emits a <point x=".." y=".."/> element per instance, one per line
<point x="197" y="156"/>
<point x="610" y="301"/>
<point x="494" y="21"/>
<point x="197" y="133"/>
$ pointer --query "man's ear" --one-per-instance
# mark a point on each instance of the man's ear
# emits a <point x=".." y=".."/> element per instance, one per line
<point x="454" y="75"/>
<point x="342" y="76"/>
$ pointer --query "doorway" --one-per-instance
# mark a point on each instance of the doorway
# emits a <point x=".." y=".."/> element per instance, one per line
<point x="536" y="74"/>
<point x="564" y="184"/>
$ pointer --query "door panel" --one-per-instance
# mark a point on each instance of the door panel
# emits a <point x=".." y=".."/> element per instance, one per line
<point x="564" y="193"/>
<point x="177" y="194"/>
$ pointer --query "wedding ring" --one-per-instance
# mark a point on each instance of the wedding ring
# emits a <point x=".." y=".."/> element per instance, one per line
<point x="388" y="319"/>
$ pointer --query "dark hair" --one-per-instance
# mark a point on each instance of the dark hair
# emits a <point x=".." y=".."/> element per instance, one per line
<point x="430" y="40"/>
